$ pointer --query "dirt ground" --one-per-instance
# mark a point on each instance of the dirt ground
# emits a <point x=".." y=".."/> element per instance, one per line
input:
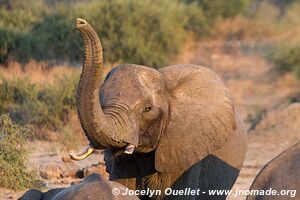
<point x="254" y="87"/>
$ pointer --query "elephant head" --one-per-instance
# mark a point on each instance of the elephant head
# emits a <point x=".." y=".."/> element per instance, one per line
<point x="178" y="110"/>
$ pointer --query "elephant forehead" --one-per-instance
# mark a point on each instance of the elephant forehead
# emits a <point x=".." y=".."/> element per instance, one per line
<point x="135" y="77"/>
<point x="130" y="84"/>
<point x="117" y="92"/>
<point x="125" y="88"/>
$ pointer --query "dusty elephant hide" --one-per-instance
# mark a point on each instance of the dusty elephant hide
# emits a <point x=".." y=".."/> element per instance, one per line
<point x="281" y="173"/>
<point x="94" y="187"/>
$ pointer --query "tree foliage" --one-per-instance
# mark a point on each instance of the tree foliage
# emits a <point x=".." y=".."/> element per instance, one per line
<point x="13" y="170"/>
<point x="146" y="32"/>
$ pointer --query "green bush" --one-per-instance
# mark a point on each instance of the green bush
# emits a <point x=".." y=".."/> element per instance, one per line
<point x="143" y="32"/>
<point x="19" y="16"/>
<point x="44" y="106"/>
<point x="51" y="39"/>
<point x="7" y="43"/>
<point x="13" y="155"/>
<point x="282" y="5"/>
<point x="254" y="118"/>
<point x="286" y="58"/>
<point x="60" y="101"/>
<point x="16" y="19"/>
<point x="196" y="22"/>
<point x="214" y="9"/>
<point x="18" y="97"/>
<point x="147" y="32"/>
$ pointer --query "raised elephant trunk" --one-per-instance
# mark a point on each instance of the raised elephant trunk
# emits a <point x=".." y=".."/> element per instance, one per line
<point x="98" y="127"/>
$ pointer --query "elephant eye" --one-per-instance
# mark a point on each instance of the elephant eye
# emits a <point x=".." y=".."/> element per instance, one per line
<point x="147" y="108"/>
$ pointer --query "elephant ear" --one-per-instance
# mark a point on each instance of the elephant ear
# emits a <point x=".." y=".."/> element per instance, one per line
<point x="201" y="118"/>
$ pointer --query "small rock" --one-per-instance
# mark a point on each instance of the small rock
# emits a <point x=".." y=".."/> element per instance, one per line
<point x="50" y="135"/>
<point x="74" y="182"/>
<point x="50" y="171"/>
<point x="69" y="170"/>
<point x="59" y="170"/>
<point x="67" y="159"/>
<point x="98" y="168"/>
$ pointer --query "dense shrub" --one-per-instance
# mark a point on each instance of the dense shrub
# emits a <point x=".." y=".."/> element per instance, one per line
<point x="13" y="155"/>
<point x="19" y="16"/>
<point x="282" y="5"/>
<point x="7" y="43"/>
<point x="53" y="38"/>
<point x="254" y="118"/>
<point x="214" y="9"/>
<point x="144" y="32"/>
<point x="44" y="106"/>
<point x="286" y="58"/>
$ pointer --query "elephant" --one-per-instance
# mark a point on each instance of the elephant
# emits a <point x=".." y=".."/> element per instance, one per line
<point x="173" y="127"/>
<point x="281" y="174"/>
<point x="93" y="187"/>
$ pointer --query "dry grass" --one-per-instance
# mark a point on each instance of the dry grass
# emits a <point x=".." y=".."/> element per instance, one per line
<point x="44" y="98"/>
<point x="36" y="72"/>
<point x="243" y="28"/>
<point x="13" y="157"/>
<point x="55" y="122"/>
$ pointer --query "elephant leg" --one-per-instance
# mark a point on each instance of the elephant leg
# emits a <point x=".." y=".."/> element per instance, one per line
<point x="129" y="183"/>
<point x="210" y="173"/>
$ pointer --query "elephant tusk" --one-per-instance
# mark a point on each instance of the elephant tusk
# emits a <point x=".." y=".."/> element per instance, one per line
<point x="88" y="151"/>
<point x="129" y="149"/>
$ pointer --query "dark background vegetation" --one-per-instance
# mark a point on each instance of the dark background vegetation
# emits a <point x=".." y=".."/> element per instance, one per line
<point x="147" y="32"/>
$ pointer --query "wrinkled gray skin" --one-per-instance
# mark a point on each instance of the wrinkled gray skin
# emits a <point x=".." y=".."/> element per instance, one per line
<point x="93" y="187"/>
<point x="180" y="119"/>
<point x="281" y="173"/>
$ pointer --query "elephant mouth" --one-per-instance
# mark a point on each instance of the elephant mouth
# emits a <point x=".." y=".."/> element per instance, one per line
<point x="145" y="133"/>
<point x="146" y="129"/>
<point x="128" y="149"/>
